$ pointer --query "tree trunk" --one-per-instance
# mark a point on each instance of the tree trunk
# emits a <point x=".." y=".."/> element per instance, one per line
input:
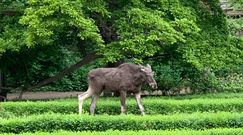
<point x="26" y="84"/>
<point x="89" y="58"/>
<point x="3" y="92"/>
<point x="0" y="80"/>
<point x="1" y="98"/>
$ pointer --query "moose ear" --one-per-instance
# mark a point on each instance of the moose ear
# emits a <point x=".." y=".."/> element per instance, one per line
<point x="143" y="69"/>
<point x="148" y="66"/>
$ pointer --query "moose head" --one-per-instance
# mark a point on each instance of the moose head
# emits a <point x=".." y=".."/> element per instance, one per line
<point x="147" y="70"/>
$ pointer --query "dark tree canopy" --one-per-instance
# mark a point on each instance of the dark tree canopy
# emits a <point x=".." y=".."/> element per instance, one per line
<point x="45" y="36"/>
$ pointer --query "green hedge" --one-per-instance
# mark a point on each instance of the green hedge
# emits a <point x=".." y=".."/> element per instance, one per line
<point x="217" y="131"/>
<point x="112" y="106"/>
<point x="73" y="122"/>
<point x="208" y="95"/>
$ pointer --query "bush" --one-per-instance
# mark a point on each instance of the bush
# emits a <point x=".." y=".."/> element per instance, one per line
<point x="112" y="106"/>
<point x="52" y="122"/>
<point x="6" y="114"/>
<point x="217" y="131"/>
<point x="168" y="79"/>
<point x="232" y="82"/>
<point x="204" y="82"/>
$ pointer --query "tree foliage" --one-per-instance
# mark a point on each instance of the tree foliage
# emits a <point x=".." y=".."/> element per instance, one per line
<point x="48" y="18"/>
<point x="236" y="4"/>
<point x="183" y="36"/>
<point x="235" y="24"/>
<point x="143" y="28"/>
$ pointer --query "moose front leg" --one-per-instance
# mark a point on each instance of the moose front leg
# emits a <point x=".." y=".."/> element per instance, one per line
<point x="139" y="103"/>
<point x="123" y="95"/>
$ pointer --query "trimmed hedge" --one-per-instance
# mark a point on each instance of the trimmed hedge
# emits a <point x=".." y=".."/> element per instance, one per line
<point x="217" y="131"/>
<point x="208" y="95"/>
<point x="112" y="106"/>
<point x="73" y="122"/>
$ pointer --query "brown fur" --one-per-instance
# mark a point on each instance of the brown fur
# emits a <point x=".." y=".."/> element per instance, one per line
<point x="125" y="78"/>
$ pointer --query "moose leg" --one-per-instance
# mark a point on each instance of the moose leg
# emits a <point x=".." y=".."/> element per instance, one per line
<point x="123" y="95"/>
<point x="93" y="103"/>
<point x="84" y="96"/>
<point x="139" y="103"/>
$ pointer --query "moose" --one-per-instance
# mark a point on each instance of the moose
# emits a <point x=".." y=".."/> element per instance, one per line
<point x="125" y="78"/>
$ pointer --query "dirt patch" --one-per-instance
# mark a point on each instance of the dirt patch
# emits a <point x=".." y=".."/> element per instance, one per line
<point x="43" y="95"/>
<point x="56" y="95"/>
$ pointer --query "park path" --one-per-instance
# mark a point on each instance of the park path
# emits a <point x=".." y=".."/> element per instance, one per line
<point x="43" y="95"/>
<point x="55" y="95"/>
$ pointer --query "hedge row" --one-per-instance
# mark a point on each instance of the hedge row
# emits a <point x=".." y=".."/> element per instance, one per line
<point x="73" y="122"/>
<point x="206" y="96"/>
<point x="112" y="106"/>
<point x="217" y="131"/>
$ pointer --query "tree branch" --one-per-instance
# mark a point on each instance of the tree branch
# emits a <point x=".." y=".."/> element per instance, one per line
<point x="10" y="12"/>
<point x="89" y="58"/>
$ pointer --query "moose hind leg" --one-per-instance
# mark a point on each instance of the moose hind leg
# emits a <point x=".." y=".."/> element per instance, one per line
<point x="82" y="97"/>
<point x="93" y="103"/>
<point x="139" y="103"/>
<point x="123" y="95"/>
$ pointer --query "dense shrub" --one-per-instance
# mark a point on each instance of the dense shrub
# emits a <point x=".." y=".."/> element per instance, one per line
<point x="203" y="82"/>
<point x="178" y="34"/>
<point x="112" y="106"/>
<point x="231" y="82"/>
<point x="217" y="131"/>
<point x="75" y="82"/>
<point x="51" y="122"/>
<point x="168" y="78"/>
<point x="6" y="114"/>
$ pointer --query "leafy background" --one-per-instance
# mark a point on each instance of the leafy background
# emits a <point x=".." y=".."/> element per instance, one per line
<point x="188" y="43"/>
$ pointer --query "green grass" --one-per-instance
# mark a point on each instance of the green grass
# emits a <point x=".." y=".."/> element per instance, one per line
<point x="153" y="105"/>
<point x="74" y="122"/>
<point x="217" y="131"/>
<point x="186" y="115"/>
